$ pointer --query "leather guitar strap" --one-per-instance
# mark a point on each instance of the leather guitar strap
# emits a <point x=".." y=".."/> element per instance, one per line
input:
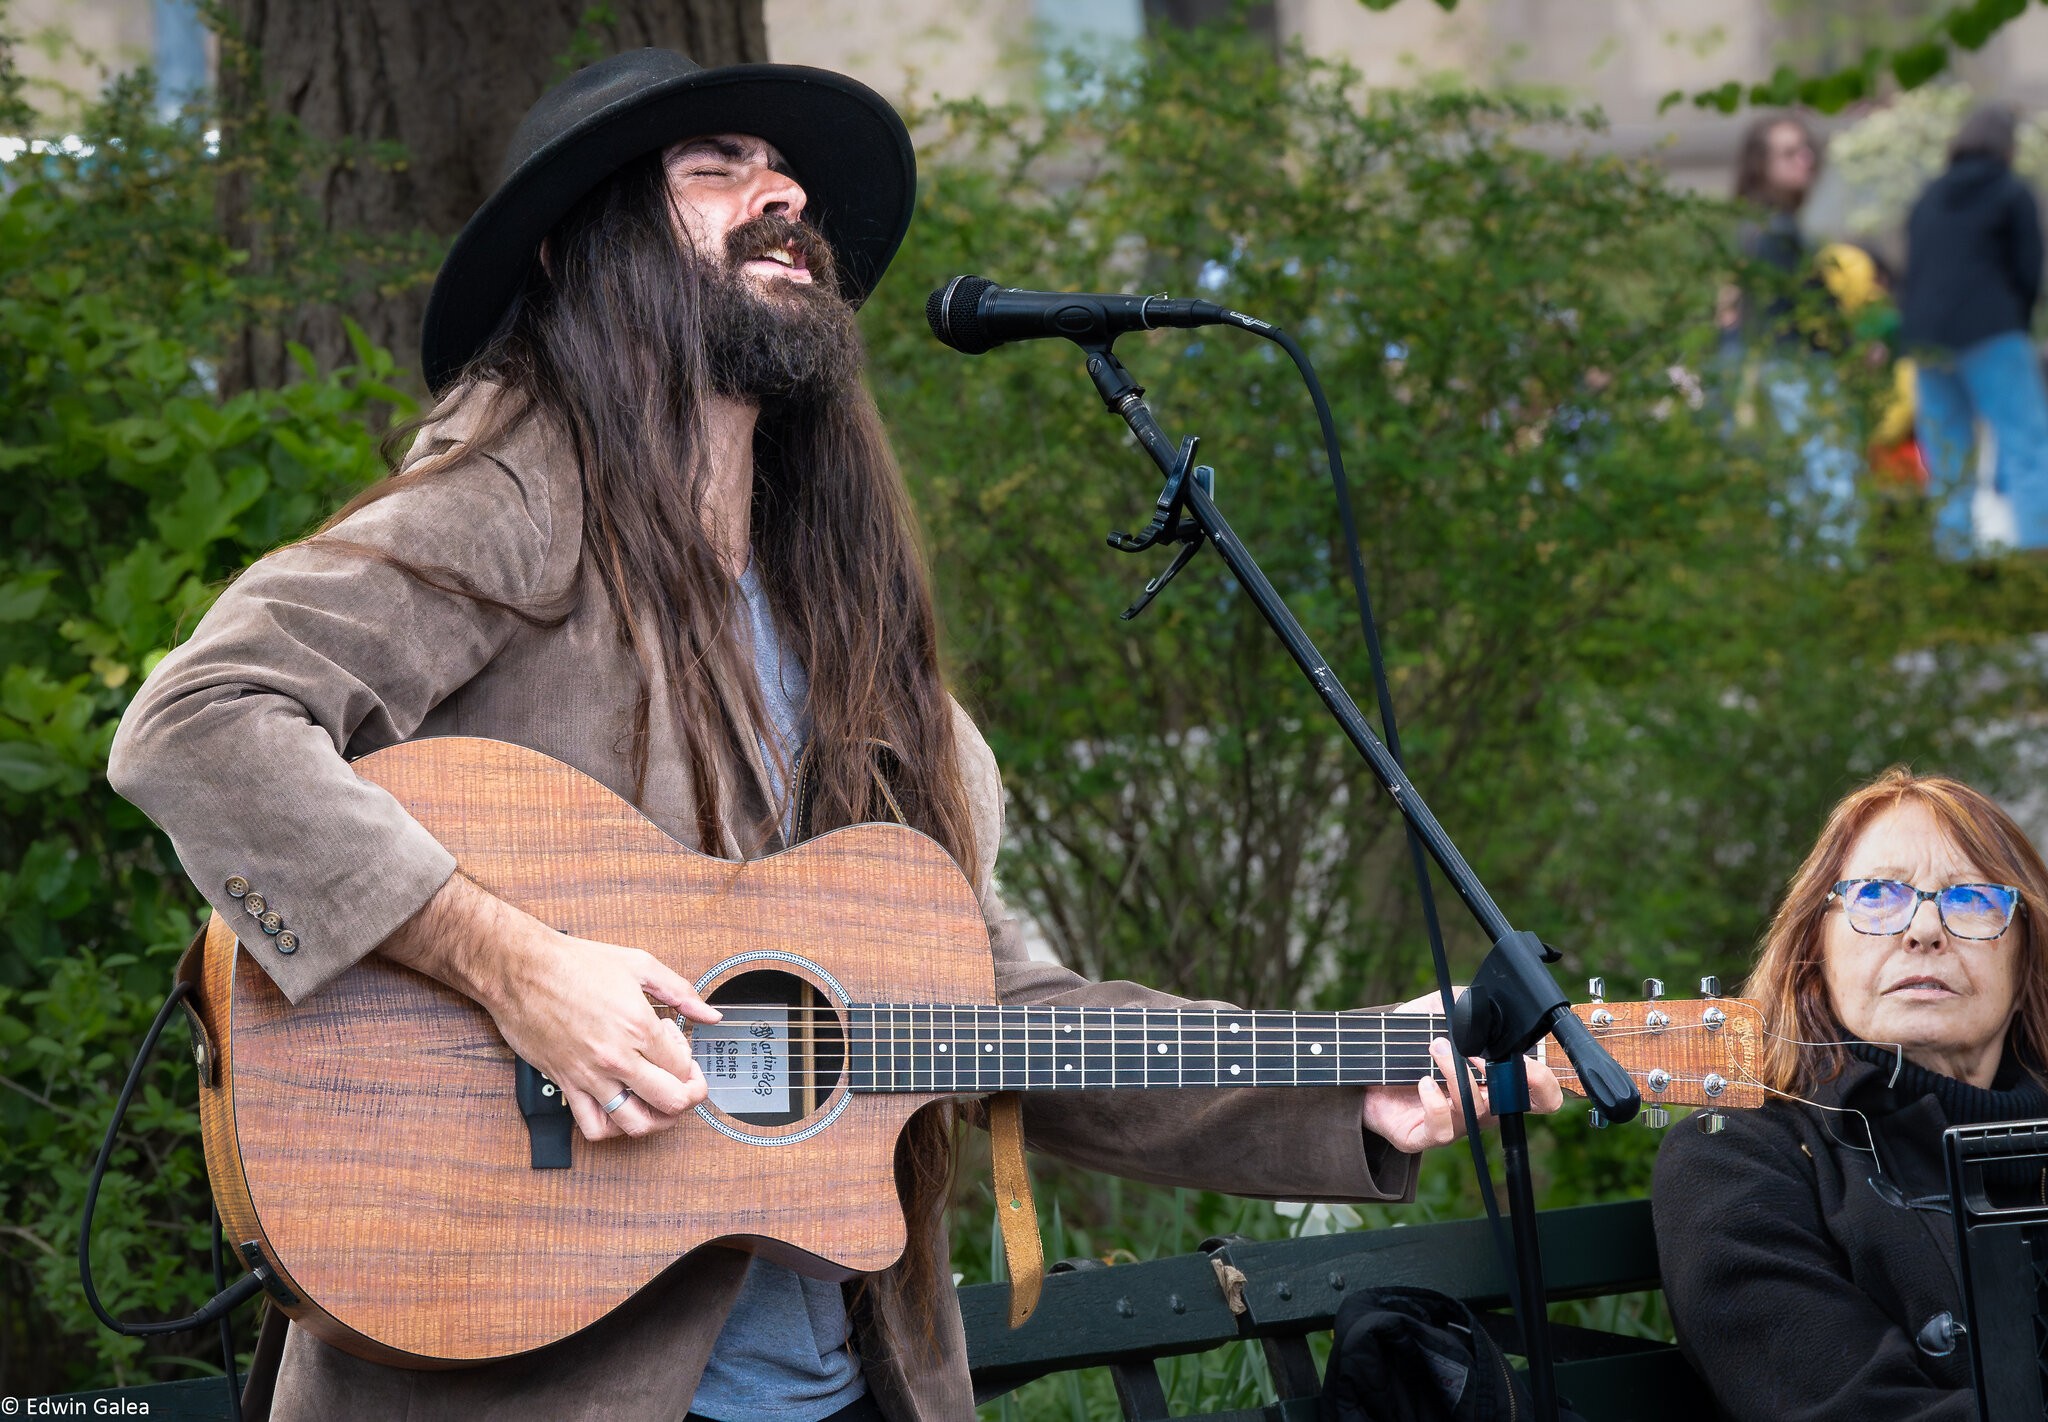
<point x="1023" y="1250"/>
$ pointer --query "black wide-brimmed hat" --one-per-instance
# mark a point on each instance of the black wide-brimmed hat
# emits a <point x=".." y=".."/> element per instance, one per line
<point x="843" y="142"/>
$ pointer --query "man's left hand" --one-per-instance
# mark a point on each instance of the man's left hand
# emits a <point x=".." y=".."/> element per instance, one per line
<point x="1414" y="1118"/>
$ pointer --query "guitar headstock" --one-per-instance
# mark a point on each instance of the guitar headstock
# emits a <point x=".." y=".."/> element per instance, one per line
<point x="1697" y="1052"/>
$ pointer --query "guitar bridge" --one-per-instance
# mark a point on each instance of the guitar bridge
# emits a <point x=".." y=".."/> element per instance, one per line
<point x="548" y="1122"/>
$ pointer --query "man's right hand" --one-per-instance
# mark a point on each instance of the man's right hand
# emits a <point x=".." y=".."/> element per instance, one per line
<point x="575" y="1009"/>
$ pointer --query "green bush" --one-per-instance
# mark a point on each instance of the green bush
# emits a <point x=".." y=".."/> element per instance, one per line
<point x="1633" y="665"/>
<point x="1636" y="659"/>
<point x="134" y="492"/>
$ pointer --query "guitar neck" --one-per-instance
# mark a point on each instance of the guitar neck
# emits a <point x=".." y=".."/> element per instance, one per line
<point x="942" y="1048"/>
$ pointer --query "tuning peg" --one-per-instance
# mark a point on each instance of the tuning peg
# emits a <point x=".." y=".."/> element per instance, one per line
<point x="1653" y="988"/>
<point x="1713" y="1122"/>
<point x="1596" y="988"/>
<point x="1656" y="1117"/>
<point x="1597" y="1119"/>
<point x="1710" y="986"/>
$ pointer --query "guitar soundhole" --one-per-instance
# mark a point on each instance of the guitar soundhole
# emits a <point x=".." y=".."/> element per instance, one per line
<point x="780" y="1052"/>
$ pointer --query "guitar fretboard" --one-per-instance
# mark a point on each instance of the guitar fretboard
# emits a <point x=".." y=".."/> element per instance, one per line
<point x="944" y="1048"/>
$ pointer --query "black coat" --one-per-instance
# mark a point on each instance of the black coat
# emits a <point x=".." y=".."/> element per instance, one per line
<point x="1973" y="257"/>
<point x="1797" y="1285"/>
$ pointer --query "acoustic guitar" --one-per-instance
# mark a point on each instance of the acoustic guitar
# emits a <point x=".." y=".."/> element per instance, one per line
<point x="410" y="1191"/>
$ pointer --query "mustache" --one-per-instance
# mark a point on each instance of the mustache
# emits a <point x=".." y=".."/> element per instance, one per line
<point x="772" y="232"/>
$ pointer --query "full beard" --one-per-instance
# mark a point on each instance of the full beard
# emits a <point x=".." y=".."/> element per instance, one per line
<point x="792" y="343"/>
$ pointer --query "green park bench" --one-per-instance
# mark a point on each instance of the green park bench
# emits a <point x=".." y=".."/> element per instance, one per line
<point x="1277" y="1293"/>
<point x="1126" y="1317"/>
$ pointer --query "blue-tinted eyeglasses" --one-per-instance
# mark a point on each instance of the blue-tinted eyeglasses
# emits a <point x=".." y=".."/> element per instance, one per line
<point x="1886" y="906"/>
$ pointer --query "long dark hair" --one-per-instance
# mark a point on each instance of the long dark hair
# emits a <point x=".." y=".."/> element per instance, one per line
<point x="608" y="343"/>
<point x="1753" y="162"/>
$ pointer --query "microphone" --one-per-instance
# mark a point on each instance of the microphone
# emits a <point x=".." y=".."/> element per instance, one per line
<point x="972" y="314"/>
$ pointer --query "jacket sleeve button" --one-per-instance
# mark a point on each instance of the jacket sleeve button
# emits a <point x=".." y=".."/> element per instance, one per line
<point x="271" y="923"/>
<point x="287" y="942"/>
<point x="256" y="904"/>
<point x="237" y="886"/>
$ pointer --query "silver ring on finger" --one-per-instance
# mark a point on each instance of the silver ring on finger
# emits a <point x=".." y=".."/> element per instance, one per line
<point x="617" y="1101"/>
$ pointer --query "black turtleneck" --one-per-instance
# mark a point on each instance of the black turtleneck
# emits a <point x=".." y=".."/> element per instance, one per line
<point x="2014" y="1094"/>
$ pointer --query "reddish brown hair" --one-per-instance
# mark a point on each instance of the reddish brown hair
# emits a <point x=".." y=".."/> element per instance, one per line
<point x="1787" y="981"/>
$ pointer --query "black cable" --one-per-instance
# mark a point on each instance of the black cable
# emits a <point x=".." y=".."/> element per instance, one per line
<point x="1416" y="853"/>
<point x="222" y="1303"/>
<point x="227" y="1331"/>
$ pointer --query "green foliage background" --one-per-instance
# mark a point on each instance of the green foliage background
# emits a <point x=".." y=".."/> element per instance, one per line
<point x="133" y="494"/>
<point x="1636" y="662"/>
<point x="1635" y="665"/>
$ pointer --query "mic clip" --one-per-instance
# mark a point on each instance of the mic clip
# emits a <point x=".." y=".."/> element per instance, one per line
<point x="1169" y="524"/>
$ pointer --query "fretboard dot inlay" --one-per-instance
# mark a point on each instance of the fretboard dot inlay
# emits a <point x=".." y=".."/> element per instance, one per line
<point x="1233" y="1029"/>
<point x="1162" y="1049"/>
<point x="942" y="1046"/>
<point x="1233" y="1068"/>
<point x="1315" y="1049"/>
<point x="988" y="1046"/>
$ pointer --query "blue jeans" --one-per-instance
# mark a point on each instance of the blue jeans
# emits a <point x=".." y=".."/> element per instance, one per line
<point x="1999" y="381"/>
<point x="1805" y="399"/>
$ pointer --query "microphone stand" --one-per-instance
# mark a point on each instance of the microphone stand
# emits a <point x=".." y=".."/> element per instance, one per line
<point x="1512" y="1000"/>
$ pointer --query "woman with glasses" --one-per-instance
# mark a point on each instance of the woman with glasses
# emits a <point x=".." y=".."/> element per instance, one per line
<point x="1807" y="1246"/>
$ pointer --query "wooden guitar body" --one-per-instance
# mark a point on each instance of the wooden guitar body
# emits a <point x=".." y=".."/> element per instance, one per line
<point x="369" y="1142"/>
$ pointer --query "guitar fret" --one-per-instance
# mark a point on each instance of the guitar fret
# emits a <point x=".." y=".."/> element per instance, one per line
<point x="922" y="1039"/>
<point x="1038" y="1042"/>
<point x="975" y="1049"/>
<point x="1315" y="1050"/>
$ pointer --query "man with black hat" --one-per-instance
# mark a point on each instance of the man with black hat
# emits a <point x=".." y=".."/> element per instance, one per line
<point x="653" y="529"/>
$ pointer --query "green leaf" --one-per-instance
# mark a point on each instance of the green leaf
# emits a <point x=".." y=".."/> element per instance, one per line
<point x="1832" y="93"/>
<point x="206" y="506"/>
<point x="1779" y="90"/>
<point x="27" y="767"/>
<point x="1972" y="26"/>
<point x="1914" y="66"/>
<point x="23" y="595"/>
<point x="1727" y="98"/>
<point x="21" y="455"/>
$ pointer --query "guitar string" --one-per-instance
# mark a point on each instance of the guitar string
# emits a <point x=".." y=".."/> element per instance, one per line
<point x="1398" y="1074"/>
<point x="1130" y="1018"/>
<point x="1400" y="1064"/>
<point x="1357" y="1031"/>
<point x="899" y="1059"/>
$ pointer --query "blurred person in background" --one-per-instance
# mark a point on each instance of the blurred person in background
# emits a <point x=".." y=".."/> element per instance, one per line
<point x="1773" y="176"/>
<point x="1781" y="363"/>
<point x="1973" y="279"/>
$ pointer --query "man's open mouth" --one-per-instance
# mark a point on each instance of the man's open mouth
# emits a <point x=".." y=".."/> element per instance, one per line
<point x="783" y="257"/>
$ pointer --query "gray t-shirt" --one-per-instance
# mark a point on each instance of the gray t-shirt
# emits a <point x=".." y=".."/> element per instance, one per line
<point x="784" y="1354"/>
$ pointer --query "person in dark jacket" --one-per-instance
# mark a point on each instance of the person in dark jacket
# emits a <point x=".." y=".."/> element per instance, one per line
<point x="1807" y="1248"/>
<point x="1973" y="278"/>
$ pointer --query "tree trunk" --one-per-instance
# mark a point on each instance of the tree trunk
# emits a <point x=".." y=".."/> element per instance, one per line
<point x="409" y="107"/>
